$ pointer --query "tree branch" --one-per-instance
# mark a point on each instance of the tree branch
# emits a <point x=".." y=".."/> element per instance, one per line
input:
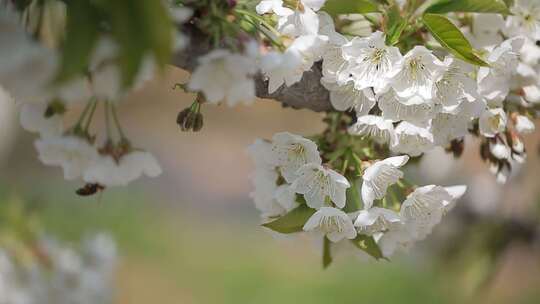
<point x="306" y="94"/>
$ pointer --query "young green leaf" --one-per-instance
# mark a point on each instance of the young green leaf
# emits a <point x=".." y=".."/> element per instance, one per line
<point x="81" y="37"/>
<point x="337" y="7"/>
<point x="293" y="221"/>
<point x="451" y="38"/>
<point x="354" y="203"/>
<point x="471" y="6"/>
<point x="368" y="245"/>
<point x="327" y="255"/>
<point x="395" y="25"/>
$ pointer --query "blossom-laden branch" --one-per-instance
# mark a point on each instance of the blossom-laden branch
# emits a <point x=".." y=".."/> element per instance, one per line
<point x="308" y="93"/>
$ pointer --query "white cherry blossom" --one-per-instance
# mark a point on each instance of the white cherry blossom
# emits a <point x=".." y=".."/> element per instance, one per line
<point x="417" y="73"/>
<point x="310" y="48"/>
<point x="486" y="29"/>
<point x="289" y="152"/>
<point x="424" y="208"/>
<point x="455" y="84"/>
<point x="282" y="68"/>
<point x="411" y="139"/>
<point x="396" y="240"/>
<point x="321" y="186"/>
<point x="224" y="76"/>
<point x="275" y="6"/>
<point x="494" y="81"/>
<point x="333" y="223"/>
<point x="525" y="19"/>
<point x="372" y="61"/>
<point x="413" y="109"/>
<point x="303" y="20"/>
<point x="32" y="119"/>
<point x="492" y="122"/>
<point x="375" y="220"/>
<point x="347" y="96"/>
<point x="107" y="171"/>
<point x="379" y="176"/>
<point x="375" y="127"/>
<point x="73" y="154"/>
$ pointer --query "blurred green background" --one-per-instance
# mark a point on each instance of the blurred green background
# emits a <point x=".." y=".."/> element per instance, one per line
<point x="192" y="235"/>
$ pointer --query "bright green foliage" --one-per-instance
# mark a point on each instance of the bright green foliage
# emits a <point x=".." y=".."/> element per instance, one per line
<point x="471" y="6"/>
<point x="327" y="255"/>
<point x="293" y="221"/>
<point x="139" y="27"/>
<point x="336" y="7"/>
<point x="451" y="38"/>
<point x="368" y="245"/>
<point x="395" y="25"/>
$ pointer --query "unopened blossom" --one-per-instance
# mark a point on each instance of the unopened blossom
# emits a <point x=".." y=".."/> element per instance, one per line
<point x="525" y="19"/>
<point x="500" y="150"/>
<point x="379" y="176"/>
<point x="413" y="109"/>
<point x="372" y="61"/>
<point x="412" y="139"/>
<point x="375" y="127"/>
<point x="302" y="21"/>
<point x="73" y="154"/>
<point x="290" y="152"/>
<point x="417" y="73"/>
<point x="224" y="76"/>
<point x="346" y="97"/>
<point x="374" y="220"/>
<point x="321" y="186"/>
<point x="532" y="94"/>
<point x="494" y="81"/>
<point x="32" y="119"/>
<point x="492" y="122"/>
<point x="333" y="223"/>
<point x="524" y="124"/>
<point x="282" y="68"/>
<point x="107" y="171"/>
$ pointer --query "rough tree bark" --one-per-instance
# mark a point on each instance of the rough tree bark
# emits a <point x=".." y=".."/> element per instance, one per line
<point x="306" y="94"/>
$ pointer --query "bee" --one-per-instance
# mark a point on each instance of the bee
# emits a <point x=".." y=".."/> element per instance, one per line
<point x="89" y="189"/>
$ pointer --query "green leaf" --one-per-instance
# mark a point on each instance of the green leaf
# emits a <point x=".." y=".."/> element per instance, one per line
<point x="395" y="25"/>
<point x="293" y="221"/>
<point x="327" y="255"/>
<point x="354" y="203"/>
<point x="451" y="38"/>
<point x="81" y="37"/>
<point x="141" y="27"/>
<point x="339" y="7"/>
<point x="368" y="245"/>
<point x="471" y="6"/>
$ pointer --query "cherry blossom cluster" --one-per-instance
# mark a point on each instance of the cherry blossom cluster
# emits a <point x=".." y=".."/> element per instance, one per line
<point x="289" y="173"/>
<point x="61" y="275"/>
<point x="98" y="160"/>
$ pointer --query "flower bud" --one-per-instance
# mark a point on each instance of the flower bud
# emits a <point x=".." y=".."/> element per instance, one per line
<point x="199" y="122"/>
